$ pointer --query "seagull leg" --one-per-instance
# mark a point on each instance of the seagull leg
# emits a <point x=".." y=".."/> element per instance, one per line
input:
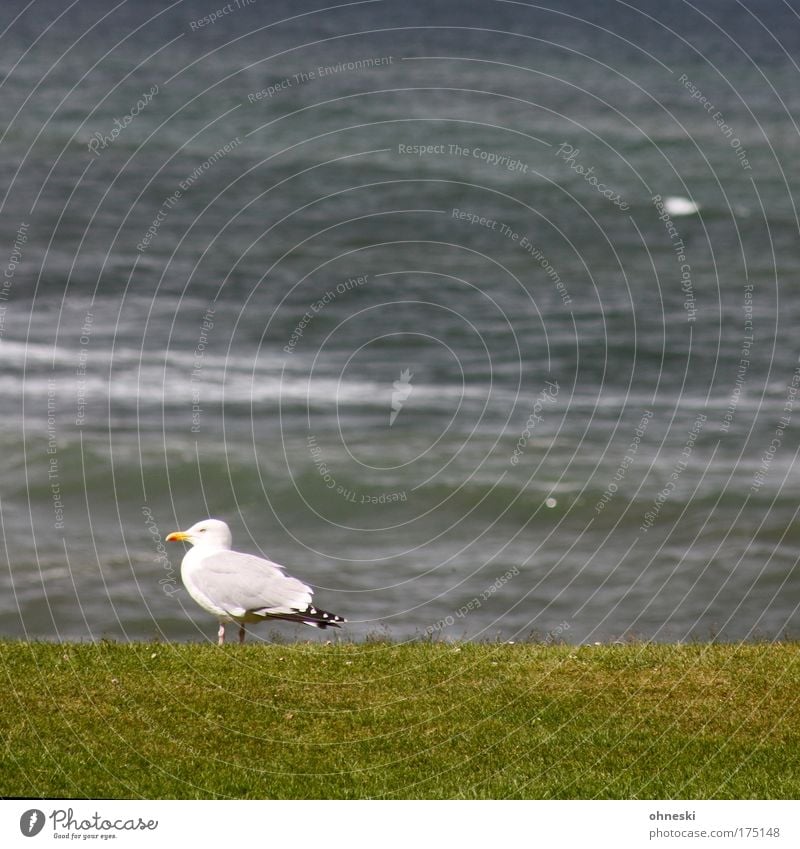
<point x="241" y="633"/>
<point x="221" y="634"/>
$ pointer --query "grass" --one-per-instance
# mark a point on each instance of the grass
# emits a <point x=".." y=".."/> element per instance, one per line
<point x="383" y="720"/>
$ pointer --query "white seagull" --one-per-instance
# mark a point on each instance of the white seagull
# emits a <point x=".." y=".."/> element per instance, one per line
<point x="239" y="587"/>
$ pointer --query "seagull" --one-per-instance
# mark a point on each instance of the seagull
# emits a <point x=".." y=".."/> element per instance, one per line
<point x="239" y="587"/>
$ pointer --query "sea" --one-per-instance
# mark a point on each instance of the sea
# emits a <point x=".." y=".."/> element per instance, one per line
<point x="479" y="317"/>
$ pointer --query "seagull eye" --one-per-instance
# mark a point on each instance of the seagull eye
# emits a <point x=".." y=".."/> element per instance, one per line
<point x="203" y="530"/>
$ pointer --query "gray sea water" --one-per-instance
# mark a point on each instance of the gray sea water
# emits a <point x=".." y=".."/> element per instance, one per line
<point x="480" y="317"/>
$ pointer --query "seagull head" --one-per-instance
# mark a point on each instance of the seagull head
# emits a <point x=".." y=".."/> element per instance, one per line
<point x="210" y="533"/>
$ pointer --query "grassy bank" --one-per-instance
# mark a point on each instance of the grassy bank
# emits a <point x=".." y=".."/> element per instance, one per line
<point x="415" y="720"/>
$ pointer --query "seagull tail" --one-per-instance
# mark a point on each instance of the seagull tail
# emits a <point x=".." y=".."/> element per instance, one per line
<point x="320" y="618"/>
<point x="312" y="616"/>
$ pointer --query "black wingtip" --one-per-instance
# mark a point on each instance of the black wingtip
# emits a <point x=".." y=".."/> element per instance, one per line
<point x="321" y="618"/>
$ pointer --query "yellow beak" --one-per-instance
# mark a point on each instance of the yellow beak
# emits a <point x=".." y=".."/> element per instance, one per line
<point x="177" y="536"/>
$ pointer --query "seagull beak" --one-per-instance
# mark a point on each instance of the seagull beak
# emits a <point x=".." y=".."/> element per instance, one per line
<point x="178" y="536"/>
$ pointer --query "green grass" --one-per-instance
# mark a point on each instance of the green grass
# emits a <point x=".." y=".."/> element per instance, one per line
<point x="420" y="720"/>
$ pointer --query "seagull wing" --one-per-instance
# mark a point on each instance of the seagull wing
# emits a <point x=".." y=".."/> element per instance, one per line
<point x="243" y="584"/>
